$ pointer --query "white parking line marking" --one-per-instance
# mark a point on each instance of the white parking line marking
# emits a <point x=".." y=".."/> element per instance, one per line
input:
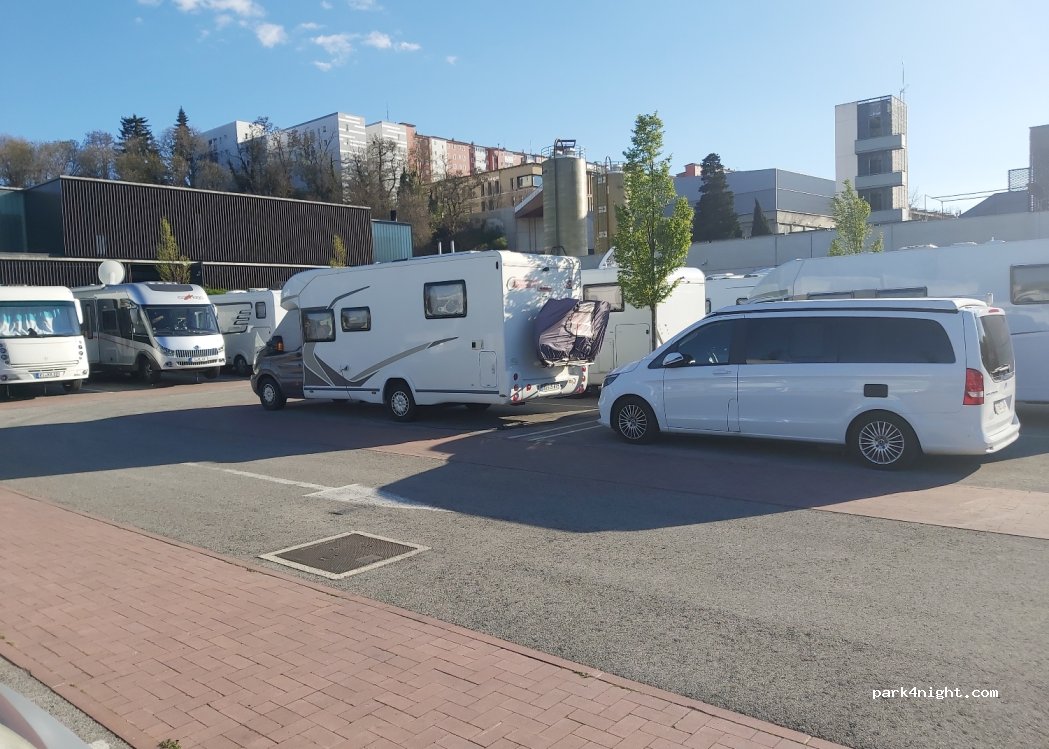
<point x="541" y="437"/>
<point x="530" y="435"/>
<point x="350" y="494"/>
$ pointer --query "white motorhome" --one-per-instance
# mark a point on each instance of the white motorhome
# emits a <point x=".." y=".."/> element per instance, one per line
<point x="40" y="339"/>
<point x="1011" y="275"/>
<point x="628" y="336"/>
<point x="727" y="289"/>
<point x="453" y="328"/>
<point x="247" y="319"/>
<point x="151" y="327"/>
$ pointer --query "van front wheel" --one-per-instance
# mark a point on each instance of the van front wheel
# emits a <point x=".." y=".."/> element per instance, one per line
<point x="634" y="421"/>
<point x="400" y="403"/>
<point x="883" y="441"/>
<point x="270" y="395"/>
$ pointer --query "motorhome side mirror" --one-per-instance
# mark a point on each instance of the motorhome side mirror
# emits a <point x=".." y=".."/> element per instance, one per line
<point x="676" y="359"/>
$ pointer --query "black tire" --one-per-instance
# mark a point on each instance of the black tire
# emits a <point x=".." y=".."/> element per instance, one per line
<point x="211" y="373"/>
<point x="271" y="396"/>
<point x="400" y="403"/>
<point x="148" y="371"/>
<point x="477" y="406"/>
<point x="241" y="366"/>
<point x="72" y="386"/>
<point x="883" y="441"/>
<point x="634" y="420"/>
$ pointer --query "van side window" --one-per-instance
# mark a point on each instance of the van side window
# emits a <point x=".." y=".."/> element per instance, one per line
<point x="708" y="344"/>
<point x="355" y="319"/>
<point x="1029" y="284"/>
<point x="786" y="340"/>
<point x="894" y="340"/>
<point x="318" y="325"/>
<point x="260" y="310"/>
<point x="605" y="292"/>
<point x="444" y="299"/>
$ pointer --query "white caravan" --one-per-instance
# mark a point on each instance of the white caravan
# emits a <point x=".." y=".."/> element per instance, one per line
<point x="40" y="339"/>
<point x="727" y="289"/>
<point x="628" y="335"/>
<point x="453" y="328"/>
<point x="151" y="327"/>
<point x="1011" y="275"/>
<point x="247" y="319"/>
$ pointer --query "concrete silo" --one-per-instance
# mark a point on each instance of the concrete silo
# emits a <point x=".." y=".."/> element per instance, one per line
<point x="565" y="199"/>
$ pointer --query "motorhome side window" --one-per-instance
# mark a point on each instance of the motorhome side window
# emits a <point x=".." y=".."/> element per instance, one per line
<point x="356" y="318"/>
<point x="1030" y="284"/>
<point x="708" y="344"/>
<point x="605" y="292"/>
<point x="260" y="310"/>
<point x="107" y="309"/>
<point x="88" y="328"/>
<point x="444" y="299"/>
<point x="318" y="325"/>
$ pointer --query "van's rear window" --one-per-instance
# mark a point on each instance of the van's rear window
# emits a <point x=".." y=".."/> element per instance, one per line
<point x="996" y="347"/>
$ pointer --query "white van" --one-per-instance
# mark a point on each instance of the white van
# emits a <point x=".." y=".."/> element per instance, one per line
<point x="247" y="319"/>
<point x="628" y="336"/>
<point x="889" y="378"/>
<point x="40" y="339"/>
<point x="455" y="328"/>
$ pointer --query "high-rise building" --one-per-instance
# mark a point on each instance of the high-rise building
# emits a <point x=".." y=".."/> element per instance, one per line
<point x="870" y="139"/>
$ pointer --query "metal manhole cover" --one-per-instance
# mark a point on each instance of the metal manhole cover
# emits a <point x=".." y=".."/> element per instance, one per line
<point x="347" y="554"/>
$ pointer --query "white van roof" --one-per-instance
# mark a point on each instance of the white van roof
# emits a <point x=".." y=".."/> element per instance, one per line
<point x="923" y="304"/>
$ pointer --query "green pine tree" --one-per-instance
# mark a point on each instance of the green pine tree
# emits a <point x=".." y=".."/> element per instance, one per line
<point x="716" y="209"/>
<point x="759" y="224"/>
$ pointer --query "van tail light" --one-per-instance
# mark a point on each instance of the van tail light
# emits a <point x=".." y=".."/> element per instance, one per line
<point x="973" y="388"/>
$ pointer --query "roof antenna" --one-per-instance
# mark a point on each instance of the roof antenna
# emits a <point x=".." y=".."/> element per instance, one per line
<point x="903" y="81"/>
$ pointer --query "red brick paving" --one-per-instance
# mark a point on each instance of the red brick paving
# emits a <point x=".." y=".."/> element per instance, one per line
<point x="159" y="640"/>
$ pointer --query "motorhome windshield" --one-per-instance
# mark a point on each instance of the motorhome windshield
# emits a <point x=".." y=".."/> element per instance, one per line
<point x="33" y="319"/>
<point x="182" y="319"/>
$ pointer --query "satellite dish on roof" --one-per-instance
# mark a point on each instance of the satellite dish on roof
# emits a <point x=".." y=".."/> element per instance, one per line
<point x="110" y="272"/>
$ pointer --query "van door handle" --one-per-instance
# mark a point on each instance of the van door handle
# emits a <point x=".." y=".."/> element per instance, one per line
<point x="722" y="372"/>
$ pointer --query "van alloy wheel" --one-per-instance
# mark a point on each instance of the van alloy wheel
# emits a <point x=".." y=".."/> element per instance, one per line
<point x="884" y="441"/>
<point x="634" y="421"/>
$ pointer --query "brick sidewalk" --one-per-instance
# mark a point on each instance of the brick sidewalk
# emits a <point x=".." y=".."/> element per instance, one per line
<point x="159" y="640"/>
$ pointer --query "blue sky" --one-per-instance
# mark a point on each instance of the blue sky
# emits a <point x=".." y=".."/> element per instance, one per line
<point x="755" y="82"/>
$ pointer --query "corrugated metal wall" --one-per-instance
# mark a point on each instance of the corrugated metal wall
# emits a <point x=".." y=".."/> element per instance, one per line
<point x="54" y="272"/>
<point x="102" y="218"/>
<point x="391" y="240"/>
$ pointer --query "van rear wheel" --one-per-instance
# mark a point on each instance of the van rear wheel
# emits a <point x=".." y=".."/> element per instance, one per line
<point x="240" y="366"/>
<point x="634" y="420"/>
<point x="400" y="403"/>
<point x="883" y="441"/>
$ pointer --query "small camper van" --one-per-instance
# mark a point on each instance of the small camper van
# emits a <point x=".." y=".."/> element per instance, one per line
<point x="40" y="339"/>
<point x="1013" y="276"/>
<point x="628" y="337"/>
<point x="453" y="328"/>
<point x="150" y="328"/>
<point x="247" y="319"/>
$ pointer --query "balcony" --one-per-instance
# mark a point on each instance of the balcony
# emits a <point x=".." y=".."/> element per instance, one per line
<point x="870" y="181"/>
<point x="882" y="143"/>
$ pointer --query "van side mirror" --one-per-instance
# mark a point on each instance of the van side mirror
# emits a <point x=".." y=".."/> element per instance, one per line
<point x="676" y="359"/>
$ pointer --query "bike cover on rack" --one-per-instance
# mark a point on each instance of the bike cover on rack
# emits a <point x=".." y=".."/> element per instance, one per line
<point x="568" y="331"/>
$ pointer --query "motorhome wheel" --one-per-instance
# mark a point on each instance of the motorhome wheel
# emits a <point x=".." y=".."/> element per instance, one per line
<point x="270" y="395"/>
<point x="148" y="371"/>
<point x="241" y="367"/>
<point x="400" y="403"/>
<point x="72" y="386"/>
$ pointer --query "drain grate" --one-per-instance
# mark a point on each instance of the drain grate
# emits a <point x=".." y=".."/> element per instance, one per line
<point x="347" y="554"/>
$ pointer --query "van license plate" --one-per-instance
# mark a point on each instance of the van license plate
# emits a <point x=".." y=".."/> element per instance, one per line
<point x="999" y="406"/>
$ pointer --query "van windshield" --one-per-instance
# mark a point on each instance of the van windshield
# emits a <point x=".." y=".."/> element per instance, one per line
<point x="33" y="319"/>
<point x="996" y="347"/>
<point x="182" y="320"/>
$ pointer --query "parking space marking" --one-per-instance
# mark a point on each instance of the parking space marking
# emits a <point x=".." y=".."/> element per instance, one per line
<point x="566" y="430"/>
<point x="555" y="431"/>
<point x="350" y="494"/>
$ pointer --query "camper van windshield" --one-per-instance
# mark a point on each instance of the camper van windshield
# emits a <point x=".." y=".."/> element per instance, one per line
<point x="182" y="320"/>
<point x="32" y="319"/>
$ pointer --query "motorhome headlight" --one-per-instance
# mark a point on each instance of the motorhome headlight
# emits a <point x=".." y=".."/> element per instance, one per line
<point x="165" y="350"/>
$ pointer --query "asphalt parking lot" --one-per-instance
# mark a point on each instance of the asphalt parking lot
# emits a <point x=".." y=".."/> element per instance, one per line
<point x="778" y="580"/>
